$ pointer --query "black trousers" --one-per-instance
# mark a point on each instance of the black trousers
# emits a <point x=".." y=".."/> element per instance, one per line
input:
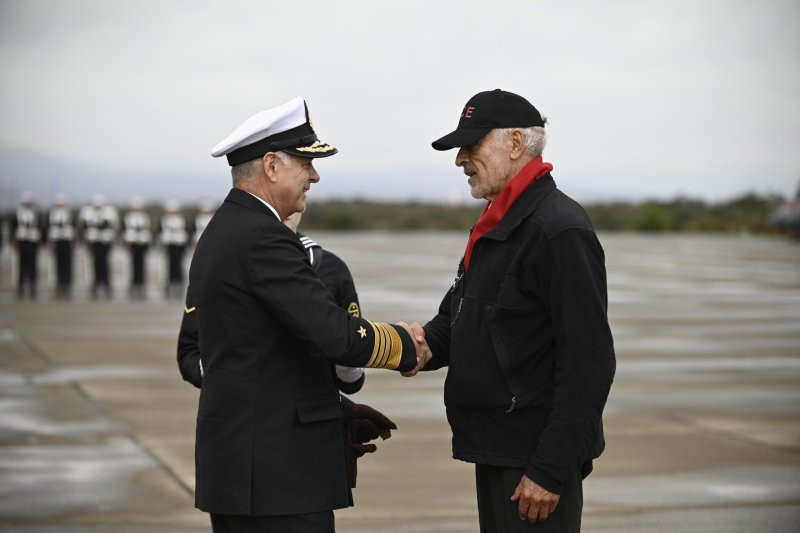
<point x="498" y="514"/>
<point x="301" y="523"/>
<point x="137" y="262"/>
<point x="27" y="266"/>
<point x="175" y="255"/>
<point x="100" y="255"/>
<point x="63" y="251"/>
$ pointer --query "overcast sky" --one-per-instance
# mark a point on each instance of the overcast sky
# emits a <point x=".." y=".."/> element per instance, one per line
<point x="645" y="99"/>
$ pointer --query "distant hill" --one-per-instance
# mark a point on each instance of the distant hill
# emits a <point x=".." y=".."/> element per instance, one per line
<point x="46" y="175"/>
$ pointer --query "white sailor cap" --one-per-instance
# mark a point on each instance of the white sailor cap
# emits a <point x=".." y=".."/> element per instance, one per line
<point x="98" y="200"/>
<point x="206" y="204"/>
<point x="172" y="205"/>
<point x="286" y="128"/>
<point x="26" y="197"/>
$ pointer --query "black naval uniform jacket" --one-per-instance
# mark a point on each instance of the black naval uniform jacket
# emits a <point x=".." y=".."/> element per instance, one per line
<point x="269" y="434"/>
<point x="526" y="339"/>
<point x="333" y="273"/>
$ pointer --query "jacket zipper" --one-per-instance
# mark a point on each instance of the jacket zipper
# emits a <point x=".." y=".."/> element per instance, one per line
<point x="458" y="312"/>
<point x="513" y="404"/>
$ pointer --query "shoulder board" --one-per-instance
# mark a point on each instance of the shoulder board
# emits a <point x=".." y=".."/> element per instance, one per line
<point x="307" y="242"/>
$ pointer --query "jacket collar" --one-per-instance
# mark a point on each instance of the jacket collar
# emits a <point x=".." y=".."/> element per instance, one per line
<point x="526" y="204"/>
<point x="245" y="199"/>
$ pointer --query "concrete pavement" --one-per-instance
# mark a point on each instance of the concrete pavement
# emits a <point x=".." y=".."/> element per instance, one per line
<point x="97" y="429"/>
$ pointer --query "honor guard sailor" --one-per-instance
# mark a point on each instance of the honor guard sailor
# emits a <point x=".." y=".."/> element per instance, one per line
<point x="137" y="235"/>
<point x="270" y="445"/>
<point x="174" y="238"/>
<point x="61" y="235"/>
<point x="99" y="223"/>
<point x="202" y="218"/>
<point x="26" y="234"/>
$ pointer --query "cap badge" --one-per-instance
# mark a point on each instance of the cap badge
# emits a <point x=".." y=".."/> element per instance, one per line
<point x="316" y="148"/>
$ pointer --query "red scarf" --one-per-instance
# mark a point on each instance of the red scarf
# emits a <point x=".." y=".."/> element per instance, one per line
<point x="494" y="212"/>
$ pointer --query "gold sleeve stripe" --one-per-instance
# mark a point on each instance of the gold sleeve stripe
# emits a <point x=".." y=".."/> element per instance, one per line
<point x="381" y="345"/>
<point x="387" y="344"/>
<point x="370" y="363"/>
<point x="188" y="310"/>
<point x="387" y="351"/>
<point x="397" y="349"/>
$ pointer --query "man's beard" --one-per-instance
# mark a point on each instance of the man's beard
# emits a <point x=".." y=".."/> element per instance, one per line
<point x="491" y="183"/>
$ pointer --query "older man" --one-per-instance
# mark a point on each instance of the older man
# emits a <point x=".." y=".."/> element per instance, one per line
<point x="270" y="448"/>
<point x="523" y="329"/>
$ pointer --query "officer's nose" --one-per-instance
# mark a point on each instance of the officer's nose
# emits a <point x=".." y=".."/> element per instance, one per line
<point x="313" y="176"/>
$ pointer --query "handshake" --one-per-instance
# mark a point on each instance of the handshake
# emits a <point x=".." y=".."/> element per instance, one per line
<point x="423" y="351"/>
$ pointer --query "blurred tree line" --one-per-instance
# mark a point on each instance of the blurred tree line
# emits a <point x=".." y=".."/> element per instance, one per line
<point x="745" y="213"/>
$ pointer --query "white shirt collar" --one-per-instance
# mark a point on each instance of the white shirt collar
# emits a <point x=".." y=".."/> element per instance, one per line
<point x="274" y="211"/>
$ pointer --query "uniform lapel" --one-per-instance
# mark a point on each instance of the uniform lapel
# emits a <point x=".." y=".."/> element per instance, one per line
<point x="247" y="200"/>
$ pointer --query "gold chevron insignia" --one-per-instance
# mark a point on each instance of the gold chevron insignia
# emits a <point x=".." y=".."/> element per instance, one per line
<point x="317" y="147"/>
<point x="188" y="310"/>
<point x="387" y="350"/>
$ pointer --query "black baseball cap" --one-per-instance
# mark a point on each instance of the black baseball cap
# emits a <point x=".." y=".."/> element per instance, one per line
<point x="486" y="111"/>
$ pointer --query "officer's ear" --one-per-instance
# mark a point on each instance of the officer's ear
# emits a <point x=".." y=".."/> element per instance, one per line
<point x="270" y="164"/>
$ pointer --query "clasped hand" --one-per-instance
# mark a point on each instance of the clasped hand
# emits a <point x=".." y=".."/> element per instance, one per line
<point x="423" y="351"/>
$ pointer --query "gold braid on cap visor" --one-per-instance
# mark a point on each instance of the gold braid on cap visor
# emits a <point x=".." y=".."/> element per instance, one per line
<point x="387" y="351"/>
<point x="317" y="147"/>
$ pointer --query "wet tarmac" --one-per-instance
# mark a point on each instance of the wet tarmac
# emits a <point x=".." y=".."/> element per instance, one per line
<point x="702" y="426"/>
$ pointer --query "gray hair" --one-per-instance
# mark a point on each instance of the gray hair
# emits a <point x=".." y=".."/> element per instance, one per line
<point x="243" y="171"/>
<point x="534" y="138"/>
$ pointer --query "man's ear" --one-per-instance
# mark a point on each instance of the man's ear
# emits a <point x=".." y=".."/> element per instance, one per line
<point x="517" y="144"/>
<point x="270" y="163"/>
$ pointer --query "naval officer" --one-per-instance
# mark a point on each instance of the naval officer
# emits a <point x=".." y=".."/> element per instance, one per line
<point x="270" y="453"/>
<point x="365" y="424"/>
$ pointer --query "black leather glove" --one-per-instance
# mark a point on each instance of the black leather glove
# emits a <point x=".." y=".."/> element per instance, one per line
<point x="366" y="424"/>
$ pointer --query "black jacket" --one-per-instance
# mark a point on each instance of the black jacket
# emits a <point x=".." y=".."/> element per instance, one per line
<point x="526" y="338"/>
<point x="269" y="434"/>
<point x="332" y="271"/>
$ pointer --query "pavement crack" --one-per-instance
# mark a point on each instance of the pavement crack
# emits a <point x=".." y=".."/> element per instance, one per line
<point x="104" y="413"/>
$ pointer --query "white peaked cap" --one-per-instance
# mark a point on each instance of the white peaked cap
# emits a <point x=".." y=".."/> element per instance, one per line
<point x="98" y="199"/>
<point x="284" y="128"/>
<point x="137" y="202"/>
<point x="262" y="125"/>
<point x="172" y="205"/>
<point x="60" y="199"/>
<point x="25" y="197"/>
